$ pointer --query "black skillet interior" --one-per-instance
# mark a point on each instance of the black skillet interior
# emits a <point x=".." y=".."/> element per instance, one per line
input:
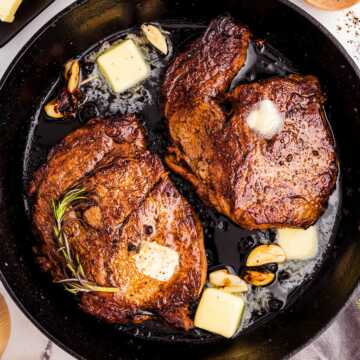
<point x="28" y="81"/>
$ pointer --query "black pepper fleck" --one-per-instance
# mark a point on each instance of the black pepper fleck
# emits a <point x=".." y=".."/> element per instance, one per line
<point x="131" y="247"/>
<point x="148" y="229"/>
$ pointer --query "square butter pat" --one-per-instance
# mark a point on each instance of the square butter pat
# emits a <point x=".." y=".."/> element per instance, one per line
<point x="8" y="9"/>
<point x="299" y="244"/>
<point x="123" y="66"/>
<point x="219" y="312"/>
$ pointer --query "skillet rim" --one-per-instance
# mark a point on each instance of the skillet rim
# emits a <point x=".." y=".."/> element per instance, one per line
<point x="30" y="43"/>
<point x="356" y="69"/>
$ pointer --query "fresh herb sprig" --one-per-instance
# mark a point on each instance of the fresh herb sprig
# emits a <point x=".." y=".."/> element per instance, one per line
<point x="77" y="281"/>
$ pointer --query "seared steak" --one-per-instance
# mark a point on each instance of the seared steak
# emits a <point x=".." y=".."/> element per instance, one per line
<point x="258" y="183"/>
<point x="129" y="201"/>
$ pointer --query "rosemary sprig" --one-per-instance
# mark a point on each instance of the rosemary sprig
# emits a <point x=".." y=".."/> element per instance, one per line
<point x="77" y="281"/>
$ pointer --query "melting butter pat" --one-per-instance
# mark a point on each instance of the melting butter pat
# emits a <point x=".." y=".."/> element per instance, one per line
<point x="265" y="119"/>
<point x="299" y="244"/>
<point x="8" y="8"/>
<point x="219" y="312"/>
<point x="156" y="261"/>
<point x="123" y="66"/>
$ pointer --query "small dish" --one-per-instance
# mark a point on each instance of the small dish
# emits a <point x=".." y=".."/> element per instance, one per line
<point x="28" y="10"/>
<point x="332" y="4"/>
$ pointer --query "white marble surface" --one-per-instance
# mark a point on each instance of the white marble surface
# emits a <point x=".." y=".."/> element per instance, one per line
<point x="26" y="341"/>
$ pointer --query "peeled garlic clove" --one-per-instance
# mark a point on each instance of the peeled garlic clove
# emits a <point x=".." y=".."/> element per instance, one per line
<point x="52" y="110"/>
<point x="73" y="76"/>
<point x="155" y="37"/>
<point x="222" y="278"/>
<point x="258" y="278"/>
<point x="265" y="254"/>
<point x="216" y="278"/>
<point x="236" y="289"/>
<point x="67" y="68"/>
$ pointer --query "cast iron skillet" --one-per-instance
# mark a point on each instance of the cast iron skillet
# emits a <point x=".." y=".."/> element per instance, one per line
<point x="26" y="82"/>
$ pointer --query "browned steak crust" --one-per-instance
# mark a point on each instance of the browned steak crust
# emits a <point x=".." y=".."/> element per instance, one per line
<point x="128" y="192"/>
<point x="258" y="183"/>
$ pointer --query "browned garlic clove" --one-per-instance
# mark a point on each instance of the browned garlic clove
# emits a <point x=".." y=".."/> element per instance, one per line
<point x="155" y="37"/>
<point x="72" y="75"/>
<point x="52" y="109"/>
<point x="67" y="68"/>
<point x="258" y="278"/>
<point x="265" y="254"/>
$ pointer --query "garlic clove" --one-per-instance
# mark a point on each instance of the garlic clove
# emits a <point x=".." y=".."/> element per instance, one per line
<point x="155" y="37"/>
<point x="265" y="254"/>
<point x="67" y="68"/>
<point x="258" y="278"/>
<point x="73" y="75"/>
<point x="216" y="278"/>
<point x="52" y="110"/>
<point x="222" y="278"/>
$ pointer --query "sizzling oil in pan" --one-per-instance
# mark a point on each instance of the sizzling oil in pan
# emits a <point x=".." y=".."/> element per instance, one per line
<point x="226" y="243"/>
